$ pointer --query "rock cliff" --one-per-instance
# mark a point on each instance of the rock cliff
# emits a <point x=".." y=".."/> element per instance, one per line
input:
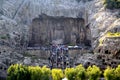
<point x="16" y="18"/>
<point x="19" y="14"/>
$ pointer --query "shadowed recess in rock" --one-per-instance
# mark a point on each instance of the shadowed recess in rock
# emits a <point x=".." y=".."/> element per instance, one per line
<point x="46" y="30"/>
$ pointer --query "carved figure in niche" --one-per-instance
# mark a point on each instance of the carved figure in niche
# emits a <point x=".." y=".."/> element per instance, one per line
<point x="73" y="39"/>
<point x="82" y="37"/>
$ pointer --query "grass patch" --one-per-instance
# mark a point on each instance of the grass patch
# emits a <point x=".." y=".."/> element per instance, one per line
<point x="117" y="34"/>
<point x="108" y="34"/>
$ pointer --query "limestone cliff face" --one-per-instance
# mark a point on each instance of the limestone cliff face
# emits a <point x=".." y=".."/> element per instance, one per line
<point x="19" y="14"/>
<point x="16" y="17"/>
<point x="102" y="20"/>
<point x="23" y="12"/>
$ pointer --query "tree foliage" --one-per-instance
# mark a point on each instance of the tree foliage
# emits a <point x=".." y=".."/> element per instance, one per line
<point x="81" y="72"/>
<point x="112" y="4"/>
<point x="112" y="73"/>
<point x="22" y="72"/>
<point x="57" y="74"/>
<point x="18" y="72"/>
<point x="71" y="73"/>
<point x="93" y="72"/>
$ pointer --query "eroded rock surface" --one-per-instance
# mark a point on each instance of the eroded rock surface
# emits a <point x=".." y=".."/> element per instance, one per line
<point x="16" y="17"/>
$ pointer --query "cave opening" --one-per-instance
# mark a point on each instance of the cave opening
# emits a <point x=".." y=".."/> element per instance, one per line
<point x="46" y="30"/>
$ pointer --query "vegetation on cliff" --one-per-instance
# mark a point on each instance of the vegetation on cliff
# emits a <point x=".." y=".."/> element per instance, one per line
<point x="112" y="4"/>
<point x="108" y="34"/>
<point x="117" y="34"/>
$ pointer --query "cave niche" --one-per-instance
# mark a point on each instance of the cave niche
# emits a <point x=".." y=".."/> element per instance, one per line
<point x="46" y="30"/>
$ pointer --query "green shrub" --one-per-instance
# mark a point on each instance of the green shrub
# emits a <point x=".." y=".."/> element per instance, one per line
<point x="93" y="72"/>
<point x="35" y="72"/>
<point x="21" y="72"/>
<point x="81" y="72"/>
<point x="3" y="37"/>
<point x="111" y="4"/>
<point x="71" y="73"/>
<point x="11" y="73"/>
<point x="57" y="74"/>
<point x="46" y="73"/>
<point x="109" y="74"/>
<point x="18" y="72"/>
<point x="117" y="73"/>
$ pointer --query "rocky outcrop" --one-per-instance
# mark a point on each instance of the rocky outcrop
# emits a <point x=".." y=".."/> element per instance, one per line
<point x="100" y="19"/>
<point x="16" y="17"/>
<point x="87" y="59"/>
<point x="24" y="11"/>
<point x="109" y="53"/>
<point x="3" y="75"/>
